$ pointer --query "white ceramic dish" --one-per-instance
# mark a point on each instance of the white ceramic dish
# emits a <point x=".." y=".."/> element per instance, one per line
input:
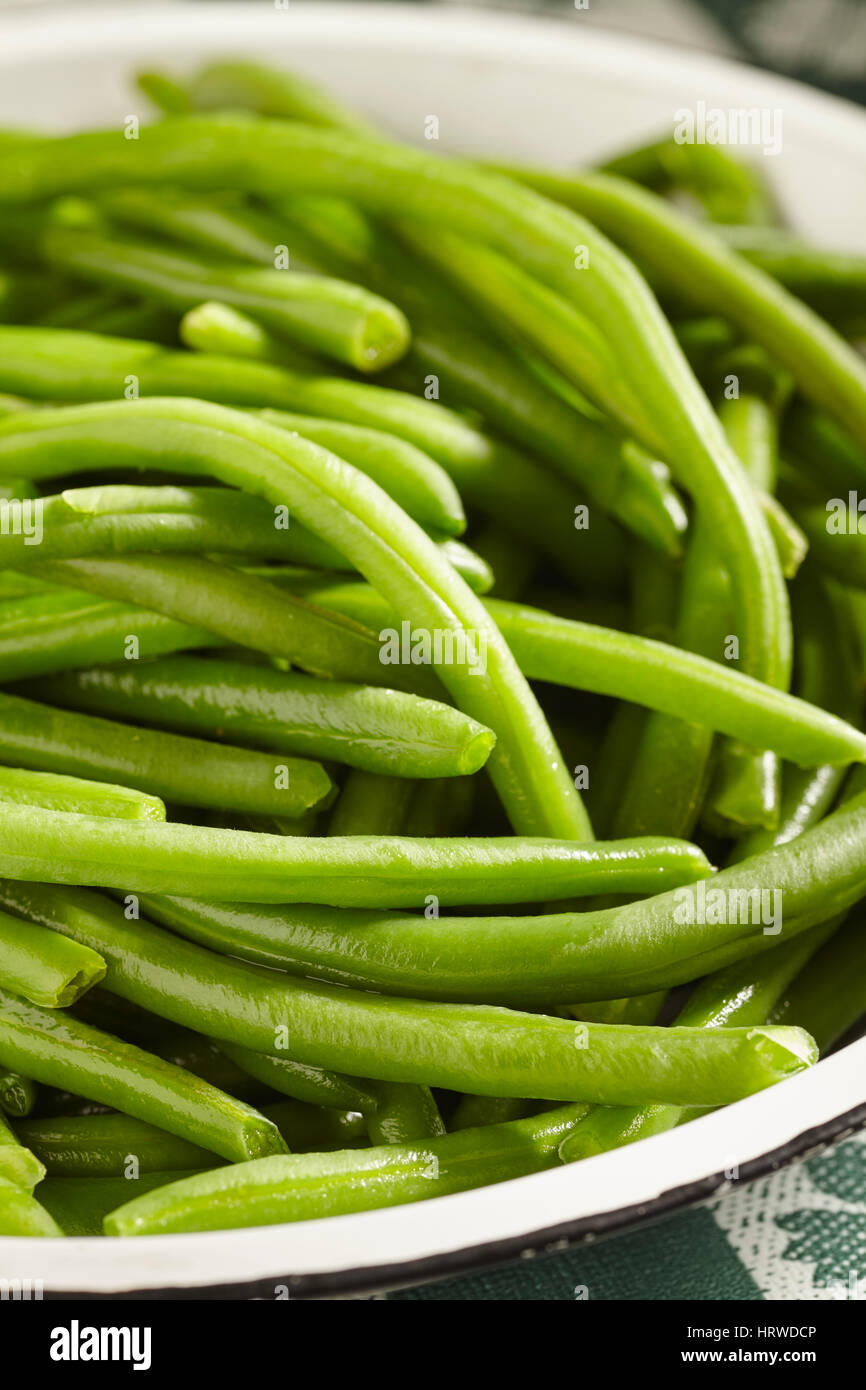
<point x="539" y="90"/>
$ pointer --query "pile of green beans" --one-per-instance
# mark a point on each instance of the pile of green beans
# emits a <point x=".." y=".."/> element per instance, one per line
<point x="301" y="906"/>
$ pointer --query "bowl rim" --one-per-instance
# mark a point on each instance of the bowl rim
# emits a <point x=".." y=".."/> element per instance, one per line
<point x="466" y="1231"/>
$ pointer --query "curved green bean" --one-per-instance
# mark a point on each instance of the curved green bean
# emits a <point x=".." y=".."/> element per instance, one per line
<point x="61" y="1050"/>
<point x="57" y="792"/>
<point x="113" y="1145"/>
<point x="180" y="769"/>
<point x="54" y="629"/>
<point x="242" y="608"/>
<point x="378" y="729"/>
<point x="337" y="501"/>
<point x="299" y="1081"/>
<point x="355" y="870"/>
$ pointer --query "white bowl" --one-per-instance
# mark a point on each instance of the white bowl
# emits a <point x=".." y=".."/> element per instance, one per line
<point x="533" y="89"/>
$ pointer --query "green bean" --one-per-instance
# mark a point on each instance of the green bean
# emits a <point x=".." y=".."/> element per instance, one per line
<point x="223" y="331"/>
<point x="242" y="608"/>
<point x="165" y="93"/>
<point x="44" y="967"/>
<point x="731" y="192"/>
<point x="475" y="1111"/>
<point x="593" y="458"/>
<point x="314" y="1085"/>
<point x="640" y="669"/>
<point x="744" y="792"/>
<point x="265" y="156"/>
<point x="61" y="1050"/>
<point x="49" y="631"/>
<point x="355" y="870"/>
<point x="185" y="770"/>
<point x="697" y="261"/>
<point x="637" y="1008"/>
<point x="394" y="553"/>
<point x="80" y="1205"/>
<point x="380" y="730"/>
<point x="791" y="542"/>
<point x="18" y="1094"/>
<point x="403" y="1114"/>
<point x="120" y="518"/>
<point x="222" y="227"/>
<point x="329" y="316"/>
<point x="831" y="990"/>
<point x="745" y="786"/>
<point x="190" y="1051"/>
<point x="113" y="1145"/>
<point x="56" y="792"/>
<point x="22" y="1215"/>
<point x="66" y="366"/>
<point x="370" y="804"/>
<point x="832" y="283"/>
<point x="316" y="1128"/>
<point x="416" y="483"/>
<point x="542" y="960"/>
<point x="270" y="92"/>
<point x="17" y="1164"/>
<point x="828" y="672"/>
